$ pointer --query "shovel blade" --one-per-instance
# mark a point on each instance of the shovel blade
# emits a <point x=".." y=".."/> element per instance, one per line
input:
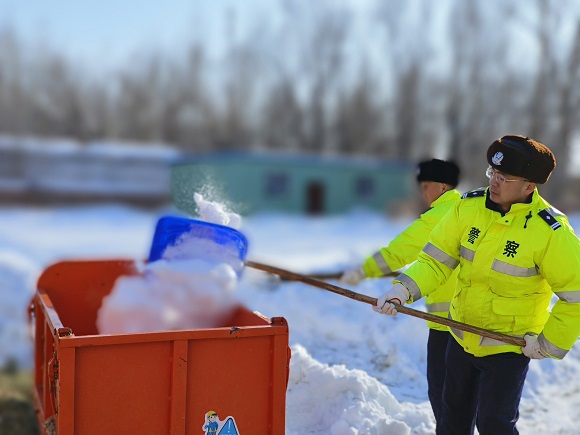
<point x="171" y="231"/>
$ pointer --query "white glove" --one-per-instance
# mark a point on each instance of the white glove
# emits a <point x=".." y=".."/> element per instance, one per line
<point x="532" y="348"/>
<point x="398" y="293"/>
<point x="353" y="276"/>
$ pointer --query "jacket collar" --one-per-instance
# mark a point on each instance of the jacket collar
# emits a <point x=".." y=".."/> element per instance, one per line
<point x="529" y="203"/>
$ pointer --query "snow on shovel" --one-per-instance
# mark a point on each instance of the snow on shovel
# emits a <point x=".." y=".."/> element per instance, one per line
<point x="213" y="242"/>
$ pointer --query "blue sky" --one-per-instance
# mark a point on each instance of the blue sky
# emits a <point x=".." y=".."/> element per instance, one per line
<point x="107" y="34"/>
<point x="112" y="30"/>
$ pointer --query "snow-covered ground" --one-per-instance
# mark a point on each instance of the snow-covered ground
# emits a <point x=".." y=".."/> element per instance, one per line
<point x="352" y="371"/>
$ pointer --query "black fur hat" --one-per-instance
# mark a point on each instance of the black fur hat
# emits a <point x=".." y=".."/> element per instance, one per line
<point x="441" y="171"/>
<point x="522" y="157"/>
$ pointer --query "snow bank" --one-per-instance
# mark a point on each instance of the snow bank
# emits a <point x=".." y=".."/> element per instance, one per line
<point x="334" y="400"/>
<point x="17" y="282"/>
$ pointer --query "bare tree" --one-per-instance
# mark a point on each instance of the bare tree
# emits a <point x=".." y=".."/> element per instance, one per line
<point x="54" y="96"/>
<point x="238" y="128"/>
<point x="542" y="95"/>
<point x="407" y="108"/>
<point x="464" y="79"/>
<point x="567" y="116"/>
<point x="12" y="89"/>
<point x="140" y="100"/>
<point x="360" y="118"/>
<point x="408" y="59"/>
<point x="283" y="118"/>
<point x="321" y="32"/>
<point x="482" y="95"/>
<point x="190" y="119"/>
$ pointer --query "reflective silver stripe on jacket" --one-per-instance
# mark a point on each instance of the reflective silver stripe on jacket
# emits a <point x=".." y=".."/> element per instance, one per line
<point x="468" y="254"/>
<point x="411" y="286"/>
<point x="483" y="341"/>
<point x="510" y="269"/>
<point x="552" y="349"/>
<point x="554" y="211"/>
<point x="440" y="256"/>
<point x="487" y="341"/>
<point x="439" y="307"/>
<point x="380" y="260"/>
<point x="457" y="332"/>
<point x="570" y="297"/>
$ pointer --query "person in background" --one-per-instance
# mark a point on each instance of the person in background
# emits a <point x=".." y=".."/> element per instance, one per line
<point x="513" y="251"/>
<point x="437" y="180"/>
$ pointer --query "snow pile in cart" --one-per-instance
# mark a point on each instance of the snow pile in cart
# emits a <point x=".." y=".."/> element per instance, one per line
<point x="192" y="286"/>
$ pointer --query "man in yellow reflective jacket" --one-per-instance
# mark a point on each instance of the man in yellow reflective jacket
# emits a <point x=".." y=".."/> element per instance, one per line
<point x="437" y="181"/>
<point x="513" y="251"/>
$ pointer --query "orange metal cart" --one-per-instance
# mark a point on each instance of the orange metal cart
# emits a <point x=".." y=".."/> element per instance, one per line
<point x="149" y="383"/>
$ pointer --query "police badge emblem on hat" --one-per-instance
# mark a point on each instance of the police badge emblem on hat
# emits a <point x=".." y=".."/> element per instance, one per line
<point x="497" y="158"/>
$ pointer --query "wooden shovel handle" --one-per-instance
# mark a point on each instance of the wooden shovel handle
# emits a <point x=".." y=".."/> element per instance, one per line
<point x="517" y="341"/>
<point x="331" y="275"/>
<point x="318" y="276"/>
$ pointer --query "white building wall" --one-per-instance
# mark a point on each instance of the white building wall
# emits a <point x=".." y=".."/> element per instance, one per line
<point x="33" y="167"/>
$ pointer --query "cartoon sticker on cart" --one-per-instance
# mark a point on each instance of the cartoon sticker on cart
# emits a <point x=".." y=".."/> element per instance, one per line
<point x="214" y="426"/>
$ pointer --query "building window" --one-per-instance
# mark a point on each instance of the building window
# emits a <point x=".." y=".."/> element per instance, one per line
<point x="277" y="185"/>
<point x="364" y="187"/>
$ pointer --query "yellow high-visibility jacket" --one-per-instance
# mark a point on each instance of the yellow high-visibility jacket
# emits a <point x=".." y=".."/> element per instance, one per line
<point x="405" y="248"/>
<point x="509" y="268"/>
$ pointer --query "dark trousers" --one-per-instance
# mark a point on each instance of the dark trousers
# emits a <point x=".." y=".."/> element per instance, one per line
<point x="436" y="348"/>
<point x="486" y="390"/>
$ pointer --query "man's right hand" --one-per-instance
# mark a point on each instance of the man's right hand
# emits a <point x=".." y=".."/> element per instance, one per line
<point x="352" y="276"/>
<point x="398" y="293"/>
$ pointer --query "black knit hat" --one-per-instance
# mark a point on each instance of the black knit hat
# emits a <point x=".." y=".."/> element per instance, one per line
<point x="441" y="171"/>
<point x="522" y="157"/>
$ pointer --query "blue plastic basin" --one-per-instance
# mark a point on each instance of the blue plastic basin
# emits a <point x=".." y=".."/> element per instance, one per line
<point x="170" y="230"/>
